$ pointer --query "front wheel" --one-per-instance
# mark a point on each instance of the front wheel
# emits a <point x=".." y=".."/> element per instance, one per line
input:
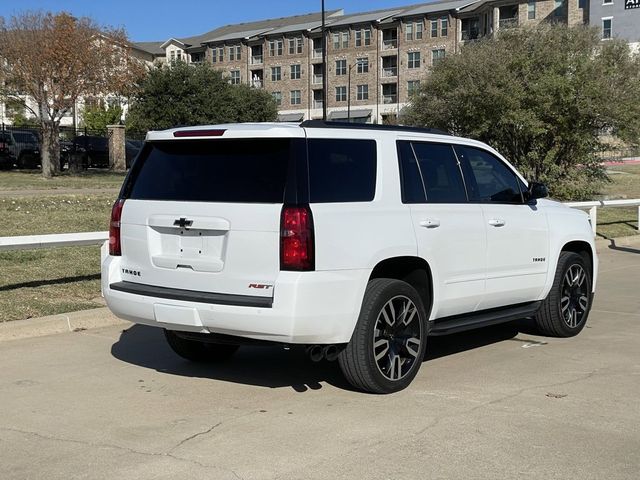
<point x="565" y="310"/>
<point x="200" y="352"/>
<point x="390" y="338"/>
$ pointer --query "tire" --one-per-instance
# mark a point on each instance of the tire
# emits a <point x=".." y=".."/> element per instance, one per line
<point x="565" y="311"/>
<point x="385" y="353"/>
<point x="200" y="352"/>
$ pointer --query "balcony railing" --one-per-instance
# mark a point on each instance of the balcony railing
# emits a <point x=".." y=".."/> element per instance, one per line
<point x="390" y="44"/>
<point x="318" y="103"/>
<point x="469" y="35"/>
<point x="256" y="59"/>
<point x="508" y="22"/>
<point x="390" y="72"/>
<point x="256" y="83"/>
<point x="317" y="53"/>
<point x="317" y="79"/>
<point x="390" y="98"/>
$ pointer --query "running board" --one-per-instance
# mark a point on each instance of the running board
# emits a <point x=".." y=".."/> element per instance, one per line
<point x="483" y="318"/>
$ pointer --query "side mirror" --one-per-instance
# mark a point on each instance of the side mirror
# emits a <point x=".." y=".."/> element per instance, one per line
<point x="538" y="190"/>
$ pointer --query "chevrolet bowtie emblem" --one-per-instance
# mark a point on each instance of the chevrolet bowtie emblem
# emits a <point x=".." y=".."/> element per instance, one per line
<point x="182" y="223"/>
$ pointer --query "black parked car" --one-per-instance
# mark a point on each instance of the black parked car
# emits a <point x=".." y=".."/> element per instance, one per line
<point x="93" y="150"/>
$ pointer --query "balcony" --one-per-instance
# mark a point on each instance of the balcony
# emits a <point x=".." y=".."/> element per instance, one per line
<point x="318" y="104"/>
<point x="256" y="59"/>
<point x="508" y="22"/>
<point x="470" y="35"/>
<point x="390" y="44"/>
<point x="390" y="72"/>
<point x="317" y="53"/>
<point x="390" y="99"/>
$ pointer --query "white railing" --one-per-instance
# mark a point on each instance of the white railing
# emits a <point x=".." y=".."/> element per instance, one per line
<point x="593" y="208"/>
<point x="55" y="240"/>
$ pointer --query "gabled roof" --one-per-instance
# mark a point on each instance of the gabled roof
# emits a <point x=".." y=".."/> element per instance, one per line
<point x="366" y="17"/>
<point x="154" y="48"/>
<point x="440" y="6"/>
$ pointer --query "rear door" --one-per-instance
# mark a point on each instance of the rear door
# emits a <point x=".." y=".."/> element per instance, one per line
<point x="204" y="215"/>
<point x="449" y="230"/>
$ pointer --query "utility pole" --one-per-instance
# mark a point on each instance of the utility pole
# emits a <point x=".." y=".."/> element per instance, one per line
<point x="324" y="66"/>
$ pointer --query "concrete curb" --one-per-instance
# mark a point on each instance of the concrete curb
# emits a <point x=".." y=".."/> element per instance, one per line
<point x="63" y="323"/>
<point x="102" y="317"/>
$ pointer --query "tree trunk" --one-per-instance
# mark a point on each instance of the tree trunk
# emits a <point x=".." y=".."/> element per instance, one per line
<point x="50" y="149"/>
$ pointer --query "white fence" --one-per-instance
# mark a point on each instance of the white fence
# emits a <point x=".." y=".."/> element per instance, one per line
<point x="594" y="205"/>
<point x="98" y="238"/>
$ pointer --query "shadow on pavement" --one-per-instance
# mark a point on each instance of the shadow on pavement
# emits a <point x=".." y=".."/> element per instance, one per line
<point x="614" y="246"/>
<point x="275" y="367"/>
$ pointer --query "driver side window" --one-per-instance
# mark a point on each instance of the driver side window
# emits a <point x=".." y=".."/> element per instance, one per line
<point x="494" y="181"/>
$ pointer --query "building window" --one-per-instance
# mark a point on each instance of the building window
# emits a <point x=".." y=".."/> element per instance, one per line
<point x="434" y="28"/>
<point x="172" y="56"/>
<point x="235" y="53"/>
<point x="531" y="10"/>
<point x="295" y="72"/>
<point x="235" y="77"/>
<point x="221" y="54"/>
<point x="179" y="55"/>
<point x="437" y="55"/>
<point x="345" y="39"/>
<point x="607" y="2"/>
<point x="413" y="60"/>
<point x="582" y="3"/>
<point x="336" y="41"/>
<point x="276" y="74"/>
<point x="296" y="45"/>
<point x="419" y="29"/>
<point x="363" y="92"/>
<point x="607" y="28"/>
<point x="444" y="26"/>
<point x="408" y="31"/>
<point x="296" y="97"/>
<point x="389" y="93"/>
<point x="557" y="7"/>
<point x="341" y="67"/>
<point x="362" y="65"/>
<point x="275" y="48"/>
<point x="341" y="94"/>
<point x="277" y="97"/>
<point x="363" y="37"/>
<point x="413" y="86"/>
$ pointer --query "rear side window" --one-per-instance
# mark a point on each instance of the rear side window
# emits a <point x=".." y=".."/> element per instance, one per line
<point x="234" y="171"/>
<point x="430" y="173"/>
<point x="342" y="170"/>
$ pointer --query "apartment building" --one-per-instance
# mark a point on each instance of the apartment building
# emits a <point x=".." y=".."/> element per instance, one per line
<point x="617" y="19"/>
<point x="375" y="60"/>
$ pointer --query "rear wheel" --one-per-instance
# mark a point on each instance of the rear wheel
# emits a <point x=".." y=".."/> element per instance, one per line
<point x="201" y="352"/>
<point x="565" y="310"/>
<point x="389" y="341"/>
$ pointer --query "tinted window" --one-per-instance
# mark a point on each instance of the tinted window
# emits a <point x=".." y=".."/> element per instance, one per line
<point x="247" y="171"/>
<point x="342" y="170"/>
<point x="25" y="137"/>
<point x="412" y="186"/>
<point x="489" y="180"/>
<point x="430" y="173"/>
<point x="440" y="173"/>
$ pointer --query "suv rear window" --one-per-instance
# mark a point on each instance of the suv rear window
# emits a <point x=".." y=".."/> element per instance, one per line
<point x="341" y="170"/>
<point x="234" y="171"/>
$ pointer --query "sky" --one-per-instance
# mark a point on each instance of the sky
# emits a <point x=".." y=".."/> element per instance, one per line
<point x="147" y="20"/>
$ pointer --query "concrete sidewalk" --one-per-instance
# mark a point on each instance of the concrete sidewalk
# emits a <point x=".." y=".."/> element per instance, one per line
<point x="116" y="403"/>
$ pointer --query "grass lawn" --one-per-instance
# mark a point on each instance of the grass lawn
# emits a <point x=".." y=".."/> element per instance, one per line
<point x="35" y="283"/>
<point x="624" y="184"/>
<point x="32" y="179"/>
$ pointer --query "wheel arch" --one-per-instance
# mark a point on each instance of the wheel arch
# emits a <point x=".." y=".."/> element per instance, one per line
<point x="415" y="271"/>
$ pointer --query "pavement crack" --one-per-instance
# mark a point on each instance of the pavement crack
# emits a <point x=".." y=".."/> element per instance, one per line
<point x="108" y="445"/>
<point x="195" y="435"/>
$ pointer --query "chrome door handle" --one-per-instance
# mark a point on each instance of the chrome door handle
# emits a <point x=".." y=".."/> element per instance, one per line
<point x="430" y="223"/>
<point x="497" y="222"/>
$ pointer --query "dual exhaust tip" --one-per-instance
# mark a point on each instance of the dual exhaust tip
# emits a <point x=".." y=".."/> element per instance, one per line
<point x="318" y="353"/>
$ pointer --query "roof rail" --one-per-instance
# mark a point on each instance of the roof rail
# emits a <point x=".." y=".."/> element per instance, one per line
<point x="370" y="126"/>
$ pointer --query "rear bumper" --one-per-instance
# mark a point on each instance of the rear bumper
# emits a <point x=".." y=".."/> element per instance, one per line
<point x="307" y="308"/>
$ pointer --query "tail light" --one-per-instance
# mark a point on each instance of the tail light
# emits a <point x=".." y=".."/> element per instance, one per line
<point x="296" y="239"/>
<point x="115" y="247"/>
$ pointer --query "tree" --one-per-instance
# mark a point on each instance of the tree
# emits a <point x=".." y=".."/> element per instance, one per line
<point x="96" y="117"/>
<point x="541" y="96"/>
<point x="181" y="94"/>
<point x="51" y="60"/>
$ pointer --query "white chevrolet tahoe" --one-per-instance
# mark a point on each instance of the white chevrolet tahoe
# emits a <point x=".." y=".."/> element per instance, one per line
<point x="357" y="241"/>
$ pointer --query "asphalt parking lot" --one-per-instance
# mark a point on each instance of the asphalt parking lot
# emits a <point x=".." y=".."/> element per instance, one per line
<point x="493" y="404"/>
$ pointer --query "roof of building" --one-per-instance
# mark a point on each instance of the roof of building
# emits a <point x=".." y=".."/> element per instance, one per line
<point x="365" y="17"/>
<point x="150" y="47"/>
<point x="439" y="6"/>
